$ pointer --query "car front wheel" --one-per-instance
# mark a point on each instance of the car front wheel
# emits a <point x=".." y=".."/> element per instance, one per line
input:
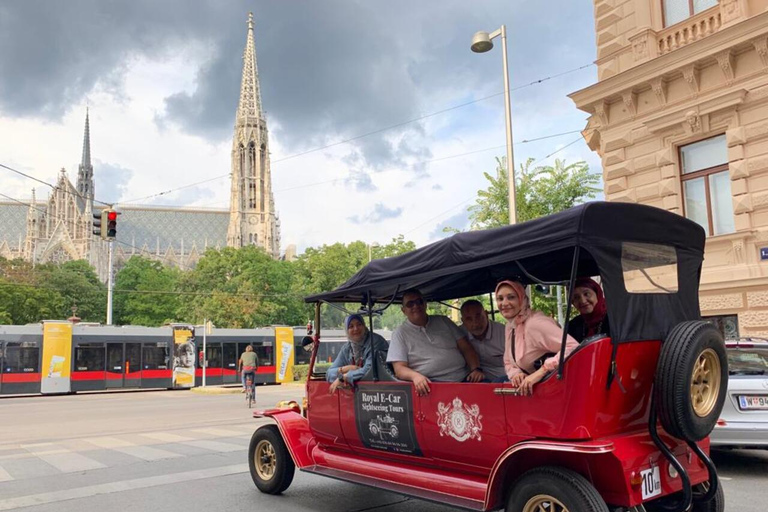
<point x="554" y="489"/>
<point x="269" y="461"/>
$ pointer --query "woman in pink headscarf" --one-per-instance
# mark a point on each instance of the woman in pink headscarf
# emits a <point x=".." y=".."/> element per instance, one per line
<point x="529" y="335"/>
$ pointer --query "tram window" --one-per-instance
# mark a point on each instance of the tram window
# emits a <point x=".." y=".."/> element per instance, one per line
<point x="329" y="350"/>
<point x="132" y="357"/>
<point x="89" y="357"/>
<point x="155" y="356"/>
<point x="264" y="354"/>
<point x="214" y="356"/>
<point x="230" y="355"/>
<point x="301" y="356"/>
<point x="21" y="357"/>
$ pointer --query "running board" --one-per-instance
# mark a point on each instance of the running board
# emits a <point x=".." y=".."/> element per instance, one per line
<point x="407" y="490"/>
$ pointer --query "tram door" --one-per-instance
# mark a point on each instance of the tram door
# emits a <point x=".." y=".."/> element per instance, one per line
<point x="229" y="363"/>
<point x="115" y="365"/>
<point x="132" y="365"/>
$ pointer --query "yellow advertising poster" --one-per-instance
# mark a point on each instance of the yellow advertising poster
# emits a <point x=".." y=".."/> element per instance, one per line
<point x="284" y="354"/>
<point x="183" y="357"/>
<point x="57" y="357"/>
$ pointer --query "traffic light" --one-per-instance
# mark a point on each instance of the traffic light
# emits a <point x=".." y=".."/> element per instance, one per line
<point x="97" y="224"/>
<point x="109" y="218"/>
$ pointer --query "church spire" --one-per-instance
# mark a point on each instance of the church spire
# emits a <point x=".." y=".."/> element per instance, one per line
<point x="85" y="170"/>
<point x="251" y="208"/>
<point x="250" y="92"/>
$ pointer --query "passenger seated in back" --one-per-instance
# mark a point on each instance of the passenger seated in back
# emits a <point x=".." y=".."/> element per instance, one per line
<point x="588" y="299"/>
<point x="486" y="337"/>
<point x="428" y="348"/>
<point x="529" y="335"/>
<point x="356" y="357"/>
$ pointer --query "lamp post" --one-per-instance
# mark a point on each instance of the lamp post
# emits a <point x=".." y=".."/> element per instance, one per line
<point x="482" y="42"/>
<point x="370" y="253"/>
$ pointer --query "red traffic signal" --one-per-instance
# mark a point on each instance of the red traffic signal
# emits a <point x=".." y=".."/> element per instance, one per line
<point x="109" y="224"/>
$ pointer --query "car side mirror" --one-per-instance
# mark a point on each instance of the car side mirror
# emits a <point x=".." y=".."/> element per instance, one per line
<point x="306" y="343"/>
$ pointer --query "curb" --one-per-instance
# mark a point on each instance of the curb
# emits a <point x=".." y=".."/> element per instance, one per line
<point x="216" y="390"/>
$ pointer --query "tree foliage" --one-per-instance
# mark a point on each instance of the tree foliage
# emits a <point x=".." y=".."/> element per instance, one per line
<point x="146" y="293"/>
<point x="539" y="191"/>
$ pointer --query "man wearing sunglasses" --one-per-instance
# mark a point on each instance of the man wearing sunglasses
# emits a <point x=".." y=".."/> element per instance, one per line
<point x="428" y="348"/>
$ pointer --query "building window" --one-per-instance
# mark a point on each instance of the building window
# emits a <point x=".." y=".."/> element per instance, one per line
<point x="707" y="185"/>
<point x="676" y="11"/>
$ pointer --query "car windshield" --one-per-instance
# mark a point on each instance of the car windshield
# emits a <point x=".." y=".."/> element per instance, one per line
<point x="748" y="361"/>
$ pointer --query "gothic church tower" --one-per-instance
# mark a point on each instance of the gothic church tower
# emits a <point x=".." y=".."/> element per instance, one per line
<point x="85" y="170"/>
<point x="252" y="217"/>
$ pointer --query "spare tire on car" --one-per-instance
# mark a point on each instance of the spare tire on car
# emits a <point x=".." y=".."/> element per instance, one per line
<point x="691" y="380"/>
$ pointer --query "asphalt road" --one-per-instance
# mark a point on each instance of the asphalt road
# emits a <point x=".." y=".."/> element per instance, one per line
<point x="180" y="450"/>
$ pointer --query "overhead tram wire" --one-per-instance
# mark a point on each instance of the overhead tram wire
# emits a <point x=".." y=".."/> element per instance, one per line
<point x="380" y="130"/>
<point x="81" y="196"/>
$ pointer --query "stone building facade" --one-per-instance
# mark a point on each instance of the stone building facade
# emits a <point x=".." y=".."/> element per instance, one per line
<point x="60" y="228"/>
<point x="679" y="117"/>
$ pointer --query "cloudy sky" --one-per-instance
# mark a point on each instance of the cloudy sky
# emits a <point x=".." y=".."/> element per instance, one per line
<point x="382" y="121"/>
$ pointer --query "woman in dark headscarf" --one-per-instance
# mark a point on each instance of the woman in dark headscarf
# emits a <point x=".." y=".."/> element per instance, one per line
<point x="588" y="299"/>
<point x="355" y="358"/>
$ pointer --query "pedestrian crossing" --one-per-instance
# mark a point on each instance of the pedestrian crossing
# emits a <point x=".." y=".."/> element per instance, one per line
<point x="18" y="462"/>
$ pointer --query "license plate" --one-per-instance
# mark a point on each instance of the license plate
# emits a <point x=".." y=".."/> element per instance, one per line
<point x="753" y="402"/>
<point x="651" y="482"/>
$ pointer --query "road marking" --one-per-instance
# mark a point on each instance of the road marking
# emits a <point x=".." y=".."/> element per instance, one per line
<point x="64" y="460"/>
<point x="108" y="442"/>
<point x="147" y="453"/>
<point x="167" y="438"/>
<point x="215" y="446"/>
<point x="124" y="485"/>
<point x="217" y="432"/>
<point x="4" y="475"/>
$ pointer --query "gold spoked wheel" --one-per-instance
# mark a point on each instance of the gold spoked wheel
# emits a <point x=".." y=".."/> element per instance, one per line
<point x="705" y="383"/>
<point x="544" y="503"/>
<point x="265" y="460"/>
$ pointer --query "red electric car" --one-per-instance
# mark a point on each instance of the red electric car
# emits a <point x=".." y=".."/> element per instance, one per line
<point x="622" y="425"/>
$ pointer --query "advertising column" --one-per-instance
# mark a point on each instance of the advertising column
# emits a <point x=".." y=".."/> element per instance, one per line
<point x="284" y="354"/>
<point x="57" y="357"/>
<point x="183" y="356"/>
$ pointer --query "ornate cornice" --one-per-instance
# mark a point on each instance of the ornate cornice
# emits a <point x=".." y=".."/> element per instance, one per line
<point x="694" y="54"/>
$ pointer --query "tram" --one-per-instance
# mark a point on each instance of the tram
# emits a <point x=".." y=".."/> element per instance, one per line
<point x="61" y="357"/>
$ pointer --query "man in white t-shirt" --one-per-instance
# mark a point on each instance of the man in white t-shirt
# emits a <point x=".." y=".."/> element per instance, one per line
<point x="430" y="348"/>
<point x="486" y="337"/>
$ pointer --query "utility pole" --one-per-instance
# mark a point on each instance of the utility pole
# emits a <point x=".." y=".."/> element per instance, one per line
<point x="110" y="283"/>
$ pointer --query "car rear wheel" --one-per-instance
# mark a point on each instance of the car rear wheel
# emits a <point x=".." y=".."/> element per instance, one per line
<point x="269" y="461"/>
<point x="716" y="504"/>
<point x="554" y="489"/>
<point x="691" y="380"/>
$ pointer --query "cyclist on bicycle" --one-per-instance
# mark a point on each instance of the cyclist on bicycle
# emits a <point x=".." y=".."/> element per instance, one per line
<point x="248" y="364"/>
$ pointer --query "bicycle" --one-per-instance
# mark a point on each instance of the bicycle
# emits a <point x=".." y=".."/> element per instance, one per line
<point x="250" y="389"/>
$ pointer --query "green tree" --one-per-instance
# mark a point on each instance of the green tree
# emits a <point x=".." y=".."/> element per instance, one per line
<point x="24" y="297"/>
<point x="79" y="286"/>
<point x="241" y="288"/>
<point x="325" y="268"/>
<point x="540" y="191"/>
<point x="146" y="293"/>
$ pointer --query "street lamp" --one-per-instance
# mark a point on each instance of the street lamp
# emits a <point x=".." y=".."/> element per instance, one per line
<point x="482" y="42"/>
<point x="371" y="246"/>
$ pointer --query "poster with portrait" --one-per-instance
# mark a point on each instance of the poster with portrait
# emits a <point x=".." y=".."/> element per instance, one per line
<point x="183" y="356"/>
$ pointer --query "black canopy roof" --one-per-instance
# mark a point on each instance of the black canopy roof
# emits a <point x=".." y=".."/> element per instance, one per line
<point x="472" y="263"/>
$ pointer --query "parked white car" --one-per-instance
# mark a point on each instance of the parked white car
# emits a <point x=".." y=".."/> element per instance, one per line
<point x="744" y="420"/>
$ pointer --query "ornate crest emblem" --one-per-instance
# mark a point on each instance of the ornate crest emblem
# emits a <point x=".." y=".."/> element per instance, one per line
<point x="459" y="421"/>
